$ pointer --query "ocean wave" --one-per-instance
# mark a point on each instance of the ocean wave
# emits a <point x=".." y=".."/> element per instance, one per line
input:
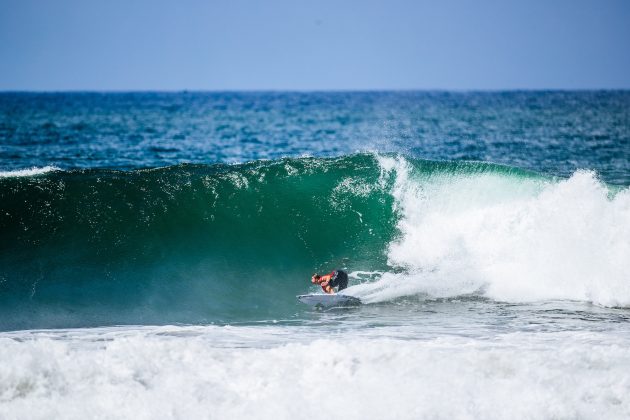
<point x="188" y="243"/>
<point x="206" y="243"/>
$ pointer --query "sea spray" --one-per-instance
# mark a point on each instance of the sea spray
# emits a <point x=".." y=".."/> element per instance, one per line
<point x="506" y="238"/>
<point x="28" y="172"/>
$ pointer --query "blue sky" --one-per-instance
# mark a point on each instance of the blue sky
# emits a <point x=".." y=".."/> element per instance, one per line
<point x="313" y="45"/>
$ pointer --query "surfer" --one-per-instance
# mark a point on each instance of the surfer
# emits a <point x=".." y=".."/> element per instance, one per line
<point x="338" y="278"/>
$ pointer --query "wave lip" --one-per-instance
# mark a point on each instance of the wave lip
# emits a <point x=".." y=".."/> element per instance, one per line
<point x="28" y="172"/>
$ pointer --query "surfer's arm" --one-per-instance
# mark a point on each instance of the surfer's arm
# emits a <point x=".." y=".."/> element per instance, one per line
<point x="328" y="289"/>
<point x="320" y="279"/>
<point x="325" y="278"/>
<point x="323" y="281"/>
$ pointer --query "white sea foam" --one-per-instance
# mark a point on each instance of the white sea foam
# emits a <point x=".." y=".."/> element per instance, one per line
<point x="28" y="172"/>
<point x="509" y="238"/>
<point x="148" y="374"/>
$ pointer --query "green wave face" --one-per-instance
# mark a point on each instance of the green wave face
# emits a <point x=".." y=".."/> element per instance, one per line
<point x="198" y="244"/>
<point x="188" y="243"/>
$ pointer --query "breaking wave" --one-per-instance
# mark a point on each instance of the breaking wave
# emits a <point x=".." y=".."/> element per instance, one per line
<point x="213" y="243"/>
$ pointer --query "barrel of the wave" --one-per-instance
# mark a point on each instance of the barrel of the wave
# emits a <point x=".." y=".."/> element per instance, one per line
<point x="189" y="243"/>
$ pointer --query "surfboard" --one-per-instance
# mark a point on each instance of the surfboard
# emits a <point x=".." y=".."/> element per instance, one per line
<point x="328" y="301"/>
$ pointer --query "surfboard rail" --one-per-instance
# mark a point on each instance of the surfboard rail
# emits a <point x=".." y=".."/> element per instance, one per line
<point x="327" y="301"/>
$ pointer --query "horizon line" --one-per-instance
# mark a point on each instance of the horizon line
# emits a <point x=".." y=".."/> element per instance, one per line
<point x="410" y="90"/>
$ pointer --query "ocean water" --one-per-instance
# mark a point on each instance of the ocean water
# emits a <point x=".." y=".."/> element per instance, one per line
<point x="152" y="245"/>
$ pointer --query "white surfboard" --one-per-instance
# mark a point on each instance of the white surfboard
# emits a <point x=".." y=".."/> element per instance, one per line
<point x="328" y="301"/>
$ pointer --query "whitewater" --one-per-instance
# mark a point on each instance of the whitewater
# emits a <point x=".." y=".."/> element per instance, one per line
<point x="508" y="239"/>
<point x="152" y="246"/>
<point x="217" y="372"/>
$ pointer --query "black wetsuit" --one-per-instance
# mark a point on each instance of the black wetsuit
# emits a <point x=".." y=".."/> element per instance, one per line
<point x="339" y="279"/>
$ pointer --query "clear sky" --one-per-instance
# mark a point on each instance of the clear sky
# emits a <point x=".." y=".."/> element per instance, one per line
<point x="313" y="45"/>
